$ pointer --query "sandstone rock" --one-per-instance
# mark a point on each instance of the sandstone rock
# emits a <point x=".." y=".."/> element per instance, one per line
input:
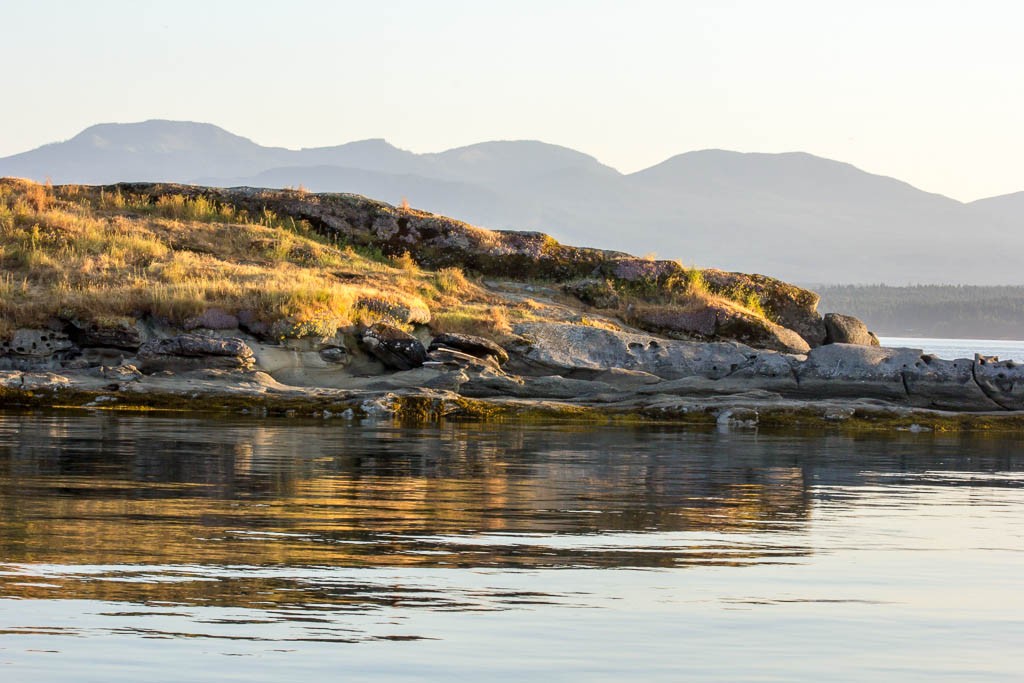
<point x="846" y="329"/>
<point x="492" y="384"/>
<point x="36" y="343"/>
<point x="117" y="334"/>
<point x="622" y="380"/>
<point x="945" y="385"/>
<point x="189" y="352"/>
<point x="561" y="348"/>
<point x="1002" y="381"/>
<point x="458" y="359"/>
<point x="394" y="348"/>
<point x="787" y="305"/>
<point x="335" y="354"/>
<point x="36" y="350"/>
<point x="717" y="321"/>
<point x="853" y="371"/>
<point x="467" y="343"/>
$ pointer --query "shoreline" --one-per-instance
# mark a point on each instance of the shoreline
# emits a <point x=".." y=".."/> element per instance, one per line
<point x="255" y="394"/>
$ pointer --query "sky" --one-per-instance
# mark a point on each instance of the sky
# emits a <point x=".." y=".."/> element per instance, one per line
<point x="930" y="91"/>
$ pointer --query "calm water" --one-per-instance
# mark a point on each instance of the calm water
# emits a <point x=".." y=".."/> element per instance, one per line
<point x="155" y="549"/>
<point x="951" y="349"/>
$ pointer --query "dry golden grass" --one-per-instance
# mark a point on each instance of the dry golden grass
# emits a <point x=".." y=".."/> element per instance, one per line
<point x="71" y="252"/>
<point x="485" y="320"/>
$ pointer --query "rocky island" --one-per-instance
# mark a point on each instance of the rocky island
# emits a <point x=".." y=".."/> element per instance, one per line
<point x="256" y="301"/>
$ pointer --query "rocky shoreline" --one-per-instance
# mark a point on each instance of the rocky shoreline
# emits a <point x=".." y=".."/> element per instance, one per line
<point x="550" y="371"/>
<point x="434" y="320"/>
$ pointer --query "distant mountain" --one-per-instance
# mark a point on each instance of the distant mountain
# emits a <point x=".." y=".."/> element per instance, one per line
<point x="795" y="216"/>
<point x="1008" y="207"/>
<point x="151" y="150"/>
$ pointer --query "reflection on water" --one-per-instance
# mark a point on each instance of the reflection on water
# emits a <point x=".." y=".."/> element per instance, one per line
<point x="274" y="538"/>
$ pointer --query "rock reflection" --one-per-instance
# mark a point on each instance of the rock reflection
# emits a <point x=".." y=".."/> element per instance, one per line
<point x="118" y="492"/>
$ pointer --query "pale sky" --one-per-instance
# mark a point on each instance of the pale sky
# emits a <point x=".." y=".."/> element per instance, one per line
<point x="929" y="91"/>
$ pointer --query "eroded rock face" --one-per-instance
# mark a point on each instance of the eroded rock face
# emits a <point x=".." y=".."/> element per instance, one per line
<point x="1002" y="381"/>
<point x="561" y="348"/>
<point x="35" y="349"/>
<point x="848" y="370"/>
<point x="36" y="343"/>
<point x="473" y="345"/>
<point x="394" y="348"/>
<point x="120" y="334"/>
<point x="187" y="352"/>
<point x="846" y="329"/>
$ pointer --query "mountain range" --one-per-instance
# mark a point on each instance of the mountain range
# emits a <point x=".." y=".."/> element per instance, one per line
<point x="793" y="215"/>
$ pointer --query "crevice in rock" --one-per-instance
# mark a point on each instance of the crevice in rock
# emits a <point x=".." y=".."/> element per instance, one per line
<point x="988" y="395"/>
<point x="906" y="385"/>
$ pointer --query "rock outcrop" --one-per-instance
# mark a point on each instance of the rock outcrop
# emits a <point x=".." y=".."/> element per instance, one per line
<point x="438" y="242"/>
<point x="189" y="352"/>
<point x="846" y="329"/>
<point x="394" y="348"/>
<point x="787" y="305"/>
<point x="473" y="345"/>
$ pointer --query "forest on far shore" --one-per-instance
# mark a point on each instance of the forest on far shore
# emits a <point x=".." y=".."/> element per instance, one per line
<point x="953" y="311"/>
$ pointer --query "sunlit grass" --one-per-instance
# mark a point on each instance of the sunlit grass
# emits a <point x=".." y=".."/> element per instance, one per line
<point x="71" y="252"/>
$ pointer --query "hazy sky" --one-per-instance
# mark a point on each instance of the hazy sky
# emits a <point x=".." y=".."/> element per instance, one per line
<point x="931" y="92"/>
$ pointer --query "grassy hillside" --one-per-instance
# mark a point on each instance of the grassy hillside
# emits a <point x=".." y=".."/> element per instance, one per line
<point x="85" y="254"/>
<point x="106" y="257"/>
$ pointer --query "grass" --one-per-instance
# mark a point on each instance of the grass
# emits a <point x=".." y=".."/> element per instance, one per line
<point x="81" y="253"/>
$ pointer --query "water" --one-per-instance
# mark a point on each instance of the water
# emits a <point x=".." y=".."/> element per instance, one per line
<point x="951" y="349"/>
<point x="145" y="548"/>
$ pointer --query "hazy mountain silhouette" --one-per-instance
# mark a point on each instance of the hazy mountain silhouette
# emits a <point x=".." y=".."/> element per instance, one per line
<point x="1009" y="207"/>
<point x="793" y="215"/>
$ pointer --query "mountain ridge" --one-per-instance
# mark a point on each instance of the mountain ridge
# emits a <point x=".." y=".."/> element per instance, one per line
<point x="793" y="215"/>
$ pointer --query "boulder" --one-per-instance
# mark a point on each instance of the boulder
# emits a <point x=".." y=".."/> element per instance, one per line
<point x="845" y="329"/>
<point x="717" y="320"/>
<point x="394" y="348"/>
<point x="335" y="354"/>
<point x="467" y="343"/>
<point x="187" y="352"/>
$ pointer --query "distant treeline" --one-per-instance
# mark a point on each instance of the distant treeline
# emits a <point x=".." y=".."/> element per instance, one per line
<point x="957" y="311"/>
